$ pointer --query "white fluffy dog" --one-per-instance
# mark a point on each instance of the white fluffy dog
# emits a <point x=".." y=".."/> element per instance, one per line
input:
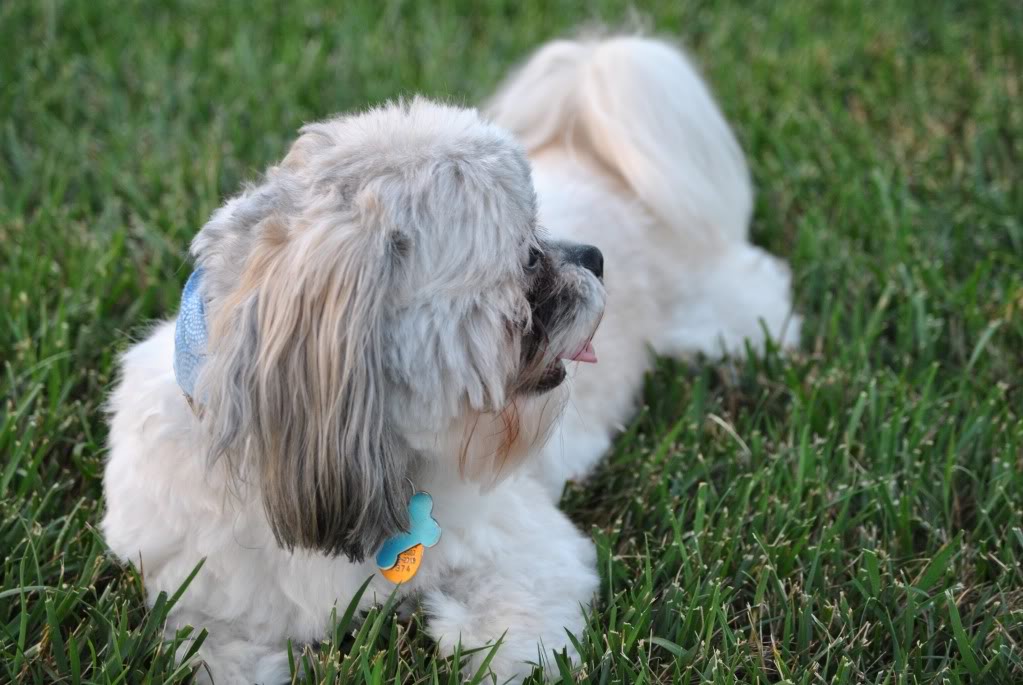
<point x="391" y="310"/>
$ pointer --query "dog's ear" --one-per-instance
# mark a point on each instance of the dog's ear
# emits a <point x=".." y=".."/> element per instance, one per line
<point x="293" y="390"/>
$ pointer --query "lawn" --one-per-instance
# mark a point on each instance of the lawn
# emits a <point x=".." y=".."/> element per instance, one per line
<point x="849" y="514"/>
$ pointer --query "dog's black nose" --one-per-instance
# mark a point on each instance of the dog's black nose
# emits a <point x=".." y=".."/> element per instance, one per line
<point x="589" y="257"/>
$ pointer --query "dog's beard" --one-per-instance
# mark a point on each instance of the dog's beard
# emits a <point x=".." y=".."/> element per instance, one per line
<point x="566" y="305"/>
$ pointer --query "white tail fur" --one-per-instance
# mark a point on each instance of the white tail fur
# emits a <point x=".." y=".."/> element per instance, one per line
<point x="643" y="110"/>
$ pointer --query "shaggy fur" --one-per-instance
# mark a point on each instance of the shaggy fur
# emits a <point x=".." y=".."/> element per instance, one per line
<point x="630" y="153"/>
<point x="384" y="306"/>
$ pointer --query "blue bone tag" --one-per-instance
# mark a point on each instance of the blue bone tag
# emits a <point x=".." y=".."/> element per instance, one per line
<point x="423" y="530"/>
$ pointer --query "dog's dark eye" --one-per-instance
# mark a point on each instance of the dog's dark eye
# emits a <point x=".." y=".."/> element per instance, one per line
<point x="534" y="259"/>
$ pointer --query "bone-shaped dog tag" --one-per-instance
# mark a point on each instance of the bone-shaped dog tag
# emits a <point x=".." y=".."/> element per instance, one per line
<point x="400" y="556"/>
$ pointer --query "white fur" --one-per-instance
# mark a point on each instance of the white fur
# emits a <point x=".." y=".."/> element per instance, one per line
<point x="507" y="559"/>
<point x="630" y="154"/>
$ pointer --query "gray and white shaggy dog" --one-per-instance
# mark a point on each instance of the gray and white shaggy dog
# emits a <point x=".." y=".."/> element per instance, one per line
<point x="405" y="304"/>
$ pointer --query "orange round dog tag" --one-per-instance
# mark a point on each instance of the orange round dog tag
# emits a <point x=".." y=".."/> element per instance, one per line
<point x="408" y="564"/>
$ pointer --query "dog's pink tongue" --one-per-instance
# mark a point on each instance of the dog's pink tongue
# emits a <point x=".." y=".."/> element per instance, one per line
<point x="586" y="354"/>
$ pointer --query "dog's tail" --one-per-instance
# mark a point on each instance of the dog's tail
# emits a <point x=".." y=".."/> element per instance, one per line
<point x="641" y="109"/>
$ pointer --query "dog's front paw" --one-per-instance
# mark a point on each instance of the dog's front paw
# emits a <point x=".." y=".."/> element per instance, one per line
<point x="523" y="628"/>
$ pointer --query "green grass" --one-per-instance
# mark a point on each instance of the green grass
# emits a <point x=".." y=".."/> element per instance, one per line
<point x="853" y="514"/>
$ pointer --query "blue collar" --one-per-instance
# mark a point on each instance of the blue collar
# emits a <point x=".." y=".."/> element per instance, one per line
<point x="190" y="335"/>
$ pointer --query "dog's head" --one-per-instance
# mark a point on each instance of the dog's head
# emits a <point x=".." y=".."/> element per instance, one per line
<point x="384" y="297"/>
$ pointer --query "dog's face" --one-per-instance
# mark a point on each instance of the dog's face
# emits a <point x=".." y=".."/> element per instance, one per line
<point x="382" y="294"/>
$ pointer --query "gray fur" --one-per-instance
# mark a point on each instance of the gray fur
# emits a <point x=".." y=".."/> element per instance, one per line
<point x="293" y="391"/>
